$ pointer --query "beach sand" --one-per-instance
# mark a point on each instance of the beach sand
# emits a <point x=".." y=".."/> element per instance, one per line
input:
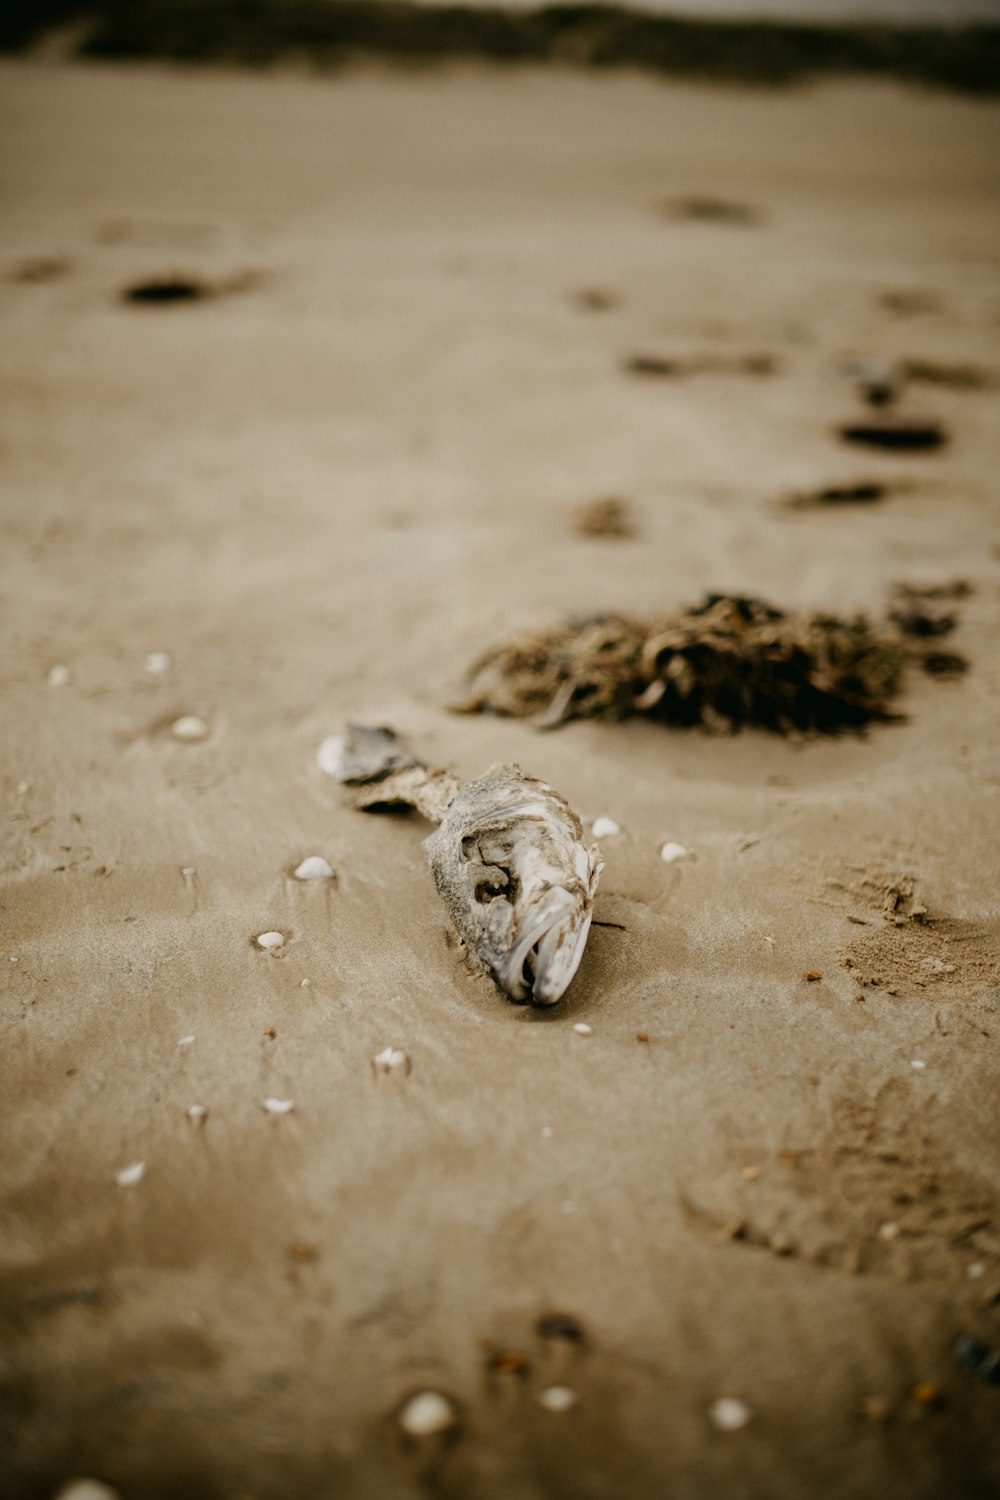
<point x="321" y="493"/>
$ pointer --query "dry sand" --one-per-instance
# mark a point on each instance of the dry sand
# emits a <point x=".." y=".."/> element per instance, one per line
<point x="321" y="494"/>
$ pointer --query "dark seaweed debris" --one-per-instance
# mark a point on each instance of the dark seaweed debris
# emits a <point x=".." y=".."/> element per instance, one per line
<point x="610" y="517"/>
<point x="333" y="32"/>
<point x="896" y="435"/>
<point x="730" y="663"/>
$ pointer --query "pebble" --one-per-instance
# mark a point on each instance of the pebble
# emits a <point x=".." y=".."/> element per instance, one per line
<point x="197" y="1112"/>
<point x="671" y="851"/>
<point x="60" y="675"/>
<point x="977" y="1269"/>
<point x="604" y="828"/>
<point x="330" y="753"/>
<point x="189" y="727"/>
<point x="187" y="871"/>
<point x="186" y="1041"/>
<point x="314" y="868"/>
<point x="428" y="1413"/>
<point x="304" y="984"/>
<point x="279" y="1106"/>
<point x="157" y="662"/>
<point x="129" y="1176"/>
<point x="888" y="1232"/>
<point x="582" y="1029"/>
<point x="86" y="1489"/>
<point x="729" y="1414"/>
<point x="918" y="1065"/>
<point x="389" y="1059"/>
<point x="557" y="1398"/>
<point x="270" y="940"/>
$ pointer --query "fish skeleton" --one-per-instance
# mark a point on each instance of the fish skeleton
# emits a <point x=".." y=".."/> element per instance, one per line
<point x="508" y="858"/>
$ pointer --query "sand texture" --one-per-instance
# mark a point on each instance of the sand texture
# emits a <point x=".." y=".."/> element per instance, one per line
<point x="321" y="489"/>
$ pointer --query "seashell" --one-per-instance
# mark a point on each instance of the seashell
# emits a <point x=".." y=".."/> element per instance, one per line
<point x="557" y="1398"/>
<point x="508" y="860"/>
<point x="189" y="727"/>
<point x="129" y="1176"/>
<point x="729" y="1414"/>
<point x="428" y="1413"/>
<point x="604" y="828"/>
<point x="270" y="940"/>
<point x="314" y="868"/>
<point x="279" y="1106"/>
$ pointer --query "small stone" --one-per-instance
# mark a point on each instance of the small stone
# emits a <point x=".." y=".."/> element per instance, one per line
<point x="927" y="1395"/>
<point x="330" y="754"/>
<point x="304" y="984"/>
<point x="671" y="852"/>
<point x="270" y="1033"/>
<point x="86" y="1489"/>
<point x="157" y="662"/>
<point x="428" y="1413"/>
<point x="729" y="1414"/>
<point x="557" y="1398"/>
<point x="129" y="1176"/>
<point x="279" y="1106"/>
<point x="642" y="1036"/>
<point x="270" y="940"/>
<point x="197" y="1113"/>
<point x="976" y="1270"/>
<point x="189" y="727"/>
<point x="813" y="976"/>
<point x="314" y="868"/>
<point x="186" y="1041"/>
<point x="389" y="1059"/>
<point x="918" y="1065"/>
<point x="582" y="1029"/>
<point x="888" y="1232"/>
<point x="60" y="675"/>
<point x="604" y="828"/>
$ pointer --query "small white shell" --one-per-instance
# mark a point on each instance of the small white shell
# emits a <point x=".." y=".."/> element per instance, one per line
<point x="157" y="662"/>
<point x="279" y="1106"/>
<point x="330" y="754"/>
<point x="270" y="940"/>
<point x="672" y="851"/>
<point x="59" y="675"/>
<point x="197" y="1112"/>
<point x="604" y="828"/>
<point x="729" y="1414"/>
<point x="389" y="1059"/>
<point x="557" y="1398"/>
<point x="582" y="1029"/>
<point x="314" y="868"/>
<point x="130" y="1175"/>
<point x="189" y="727"/>
<point x="427" y="1413"/>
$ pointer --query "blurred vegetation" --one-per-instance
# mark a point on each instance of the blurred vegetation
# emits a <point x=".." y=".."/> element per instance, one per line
<point x="332" y="33"/>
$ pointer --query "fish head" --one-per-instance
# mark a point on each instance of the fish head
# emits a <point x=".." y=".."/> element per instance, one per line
<point x="510" y="863"/>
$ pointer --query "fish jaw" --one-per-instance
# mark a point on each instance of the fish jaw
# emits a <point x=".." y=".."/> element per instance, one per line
<point x="509" y="862"/>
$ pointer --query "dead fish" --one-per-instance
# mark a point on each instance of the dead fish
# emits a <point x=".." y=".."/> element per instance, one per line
<point x="508" y="859"/>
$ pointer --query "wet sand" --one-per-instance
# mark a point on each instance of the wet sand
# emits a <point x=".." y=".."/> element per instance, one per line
<point x="321" y="492"/>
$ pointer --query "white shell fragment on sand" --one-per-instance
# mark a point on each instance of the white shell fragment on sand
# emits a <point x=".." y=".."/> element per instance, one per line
<point x="59" y="675"/>
<point x="729" y="1414"/>
<point x="279" y="1106"/>
<point x="557" y="1398"/>
<point x="330" y="754"/>
<point x="157" y="662"/>
<point x="428" y="1413"/>
<point x="197" y="1112"/>
<point x="186" y="1041"/>
<point x="918" y="1065"/>
<point x="389" y="1059"/>
<point x="604" y="828"/>
<point x="314" y="868"/>
<point x="129" y="1176"/>
<point x="189" y="727"/>
<point x="86" y="1489"/>
<point x="671" y="851"/>
<point x="582" y="1029"/>
<point x="270" y="940"/>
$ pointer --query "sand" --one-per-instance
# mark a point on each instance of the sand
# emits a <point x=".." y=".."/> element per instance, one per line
<point x="321" y="493"/>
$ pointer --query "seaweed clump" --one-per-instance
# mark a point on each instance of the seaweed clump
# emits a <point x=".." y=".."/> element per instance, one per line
<point x="729" y="664"/>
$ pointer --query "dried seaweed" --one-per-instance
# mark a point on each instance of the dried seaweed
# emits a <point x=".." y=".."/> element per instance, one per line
<point x="728" y="664"/>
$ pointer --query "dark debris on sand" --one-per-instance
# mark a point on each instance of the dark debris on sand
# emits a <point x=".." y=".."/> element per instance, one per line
<point x="610" y="517"/>
<point x="730" y="663"/>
